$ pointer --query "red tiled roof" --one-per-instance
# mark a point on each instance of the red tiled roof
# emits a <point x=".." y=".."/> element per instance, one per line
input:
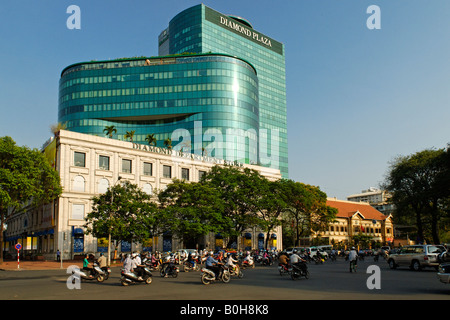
<point x="347" y="209"/>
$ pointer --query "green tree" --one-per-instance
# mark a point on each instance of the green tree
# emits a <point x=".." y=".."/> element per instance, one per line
<point x="307" y="210"/>
<point x="239" y="194"/>
<point x="419" y="184"/>
<point x="129" y="135"/>
<point x="125" y="211"/>
<point x="25" y="174"/>
<point x="271" y="203"/>
<point x="109" y="131"/>
<point x="151" y="139"/>
<point x="190" y="210"/>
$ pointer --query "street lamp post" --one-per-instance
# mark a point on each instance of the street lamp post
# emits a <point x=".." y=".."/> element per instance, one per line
<point x="110" y="226"/>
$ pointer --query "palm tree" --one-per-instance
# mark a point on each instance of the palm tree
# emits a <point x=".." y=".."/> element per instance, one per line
<point x="151" y="139"/>
<point x="110" y="130"/>
<point x="129" y="134"/>
<point x="168" y="143"/>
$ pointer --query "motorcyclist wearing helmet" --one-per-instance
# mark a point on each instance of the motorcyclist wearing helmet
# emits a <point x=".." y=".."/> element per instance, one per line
<point x="137" y="265"/>
<point x="297" y="261"/>
<point x="353" y="258"/>
<point x="212" y="264"/>
<point x="231" y="260"/>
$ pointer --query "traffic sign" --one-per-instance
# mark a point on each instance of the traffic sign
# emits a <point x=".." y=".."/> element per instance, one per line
<point x="18" y="246"/>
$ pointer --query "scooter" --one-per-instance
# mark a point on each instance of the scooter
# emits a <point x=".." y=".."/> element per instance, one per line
<point x="188" y="266"/>
<point x="208" y="276"/>
<point x="248" y="263"/>
<point x="235" y="271"/>
<point x="96" y="274"/>
<point x="297" y="272"/>
<point x="128" y="278"/>
<point x="283" y="269"/>
<point x="171" y="270"/>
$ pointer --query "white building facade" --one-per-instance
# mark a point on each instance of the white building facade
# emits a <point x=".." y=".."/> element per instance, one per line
<point x="88" y="165"/>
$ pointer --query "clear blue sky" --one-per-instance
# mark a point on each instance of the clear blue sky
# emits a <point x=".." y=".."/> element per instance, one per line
<point x="356" y="97"/>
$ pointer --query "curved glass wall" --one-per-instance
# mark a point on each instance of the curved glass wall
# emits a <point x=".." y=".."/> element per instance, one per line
<point x="201" y="29"/>
<point x="206" y="103"/>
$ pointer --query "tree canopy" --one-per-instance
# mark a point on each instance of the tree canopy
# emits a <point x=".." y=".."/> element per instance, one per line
<point x="420" y="188"/>
<point x="25" y="175"/>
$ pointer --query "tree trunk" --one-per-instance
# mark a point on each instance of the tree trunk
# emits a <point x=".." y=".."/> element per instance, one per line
<point x="434" y="221"/>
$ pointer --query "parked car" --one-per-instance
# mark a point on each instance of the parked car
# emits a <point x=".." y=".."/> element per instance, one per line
<point x="416" y="257"/>
<point x="444" y="273"/>
<point x="291" y="249"/>
<point x="313" y="251"/>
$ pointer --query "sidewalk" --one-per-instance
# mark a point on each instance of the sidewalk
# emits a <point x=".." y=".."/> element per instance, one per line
<point x="38" y="265"/>
<point x="10" y="265"/>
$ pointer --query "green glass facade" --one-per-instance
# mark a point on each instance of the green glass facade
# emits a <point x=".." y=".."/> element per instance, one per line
<point x="193" y="99"/>
<point x="200" y="29"/>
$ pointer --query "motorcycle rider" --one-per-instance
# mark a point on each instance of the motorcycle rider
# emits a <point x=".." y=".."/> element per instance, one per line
<point x="231" y="262"/>
<point x="283" y="259"/>
<point x="212" y="264"/>
<point x="248" y="258"/>
<point x="101" y="261"/>
<point x="191" y="258"/>
<point x="168" y="264"/>
<point x="353" y="258"/>
<point x="127" y="263"/>
<point x="297" y="261"/>
<point x="87" y="266"/>
<point x="137" y="265"/>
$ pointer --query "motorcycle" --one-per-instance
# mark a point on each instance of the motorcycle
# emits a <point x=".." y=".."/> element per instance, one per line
<point x="107" y="271"/>
<point x="318" y="260"/>
<point x="169" y="270"/>
<point x="131" y="277"/>
<point x="208" y="276"/>
<point x="235" y="271"/>
<point x="297" y="272"/>
<point x="188" y="266"/>
<point x="96" y="274"/>
<point x="155" y="265"/>
<point x="283" y="269"/>
<point x="248" y="263"/>
<point x="266" y="261"/>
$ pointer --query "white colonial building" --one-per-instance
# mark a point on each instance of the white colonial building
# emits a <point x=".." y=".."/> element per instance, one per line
<point x="88" y="165"/>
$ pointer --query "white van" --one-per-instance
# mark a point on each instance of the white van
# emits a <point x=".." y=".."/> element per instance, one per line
<point x="313" y="252"/>
<point x="326" y="248"/>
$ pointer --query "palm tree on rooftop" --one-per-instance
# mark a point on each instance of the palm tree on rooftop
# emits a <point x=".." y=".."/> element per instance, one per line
<point x="151" y="139"/>
<point x="168" y="143"/>
<point x="110" y="130"/>
<point x="130" y="135"/>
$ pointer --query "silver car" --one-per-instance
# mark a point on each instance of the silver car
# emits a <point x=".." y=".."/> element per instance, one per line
<point x="416" y="257"/>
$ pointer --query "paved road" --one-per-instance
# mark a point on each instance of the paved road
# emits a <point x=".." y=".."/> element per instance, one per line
<point x="330" y="281"/>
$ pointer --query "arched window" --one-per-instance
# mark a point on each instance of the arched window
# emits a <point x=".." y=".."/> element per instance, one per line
<point x="78" y="184"/>
<point x="147" y="188"/>
<point x="103" y="185"/>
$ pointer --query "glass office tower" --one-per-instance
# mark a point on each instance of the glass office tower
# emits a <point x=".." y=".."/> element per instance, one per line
<point x="206" y="103"/>
<point x="201" y="29"/>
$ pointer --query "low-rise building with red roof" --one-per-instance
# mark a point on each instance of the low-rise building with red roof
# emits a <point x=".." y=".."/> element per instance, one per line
<point x="358" y="218"/>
